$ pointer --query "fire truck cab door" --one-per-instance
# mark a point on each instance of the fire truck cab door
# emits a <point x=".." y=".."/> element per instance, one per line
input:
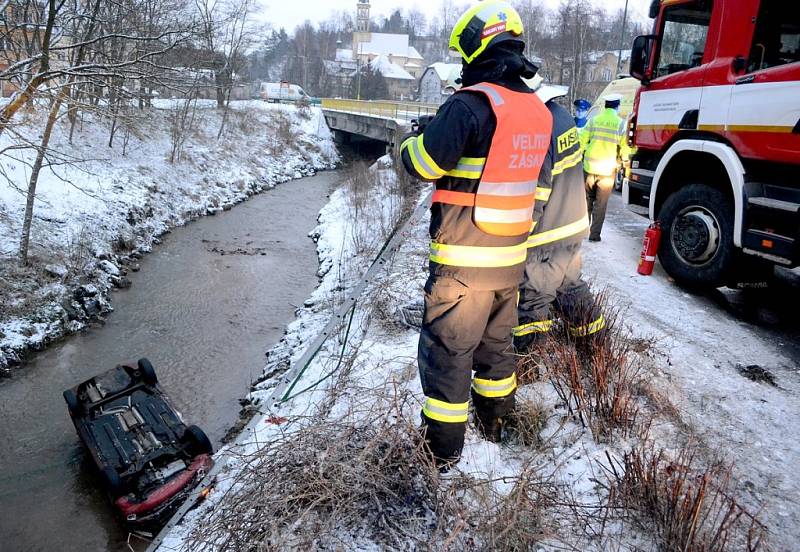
<point x="674" y="97"/>
<point x="763" y="120"/>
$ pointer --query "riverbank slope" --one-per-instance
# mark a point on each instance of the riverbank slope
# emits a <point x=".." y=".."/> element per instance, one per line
<point x="99" y="208"/>
<point x="630" y="447"/>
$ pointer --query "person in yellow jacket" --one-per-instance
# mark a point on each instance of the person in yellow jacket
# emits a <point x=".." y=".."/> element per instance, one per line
<point x="604" y="141"/>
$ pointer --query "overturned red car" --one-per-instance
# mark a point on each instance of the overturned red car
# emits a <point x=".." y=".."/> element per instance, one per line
<point x="148" y="458"/>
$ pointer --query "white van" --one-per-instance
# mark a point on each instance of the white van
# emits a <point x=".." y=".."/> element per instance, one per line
<point x="282" y="92"/>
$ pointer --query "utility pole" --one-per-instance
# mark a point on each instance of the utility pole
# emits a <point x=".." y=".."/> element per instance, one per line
<point x="622" y="37"/>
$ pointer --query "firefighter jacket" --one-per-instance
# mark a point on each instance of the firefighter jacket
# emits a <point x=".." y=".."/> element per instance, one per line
<point x="560" y="217"/>
<point x="603" y="140"/>
<point x="484" y="149"/>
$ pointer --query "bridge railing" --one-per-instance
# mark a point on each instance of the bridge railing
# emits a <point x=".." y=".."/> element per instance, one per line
<point x="404" y="111"/>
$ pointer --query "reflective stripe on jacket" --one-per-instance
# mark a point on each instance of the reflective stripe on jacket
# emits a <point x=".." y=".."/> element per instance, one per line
<point x="560" y="216"/>
<point x="602" y="138"/>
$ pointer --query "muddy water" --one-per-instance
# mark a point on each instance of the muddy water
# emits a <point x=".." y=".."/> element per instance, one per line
<point x="204" y="308"/>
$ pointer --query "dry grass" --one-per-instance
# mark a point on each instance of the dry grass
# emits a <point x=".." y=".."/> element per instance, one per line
<point x="367" y="480"/>
<point x="597" y="377"/>
<point x="519" y="520"/>
<point x="327" y="484"/>
<point x="526" y="422"/>
<point x="685" y="505"/>
<point x="283" y="133"/>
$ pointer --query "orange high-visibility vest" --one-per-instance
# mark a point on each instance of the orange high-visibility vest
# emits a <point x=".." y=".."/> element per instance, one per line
<point x="503" y="202"/>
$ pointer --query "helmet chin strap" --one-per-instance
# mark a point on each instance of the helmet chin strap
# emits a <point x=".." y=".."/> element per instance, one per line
<point x="529" y="69"/>
<point x="504" y="60"/>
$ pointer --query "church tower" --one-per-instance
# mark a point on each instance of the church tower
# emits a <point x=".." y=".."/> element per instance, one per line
<point x="361" y="33"/>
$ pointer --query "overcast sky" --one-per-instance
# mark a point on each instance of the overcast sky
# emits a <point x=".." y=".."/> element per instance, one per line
<point x="290" y="13"/>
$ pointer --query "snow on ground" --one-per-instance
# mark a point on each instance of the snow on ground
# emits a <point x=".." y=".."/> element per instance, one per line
<point x="693" y="367"/>
<point x="96" y="214"/>
<point x="750" y="423"/>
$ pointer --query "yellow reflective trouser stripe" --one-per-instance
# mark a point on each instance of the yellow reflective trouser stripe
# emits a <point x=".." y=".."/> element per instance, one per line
<point x="589" y="329"/>
<point x="477" y="257"/>
<point x="541" y="326"/>
<point x="543" y="194"/>
<point x="495" y="388"/>
<point x="568" y="162"/>
<point x="445" y="412"/>
<point x="560" y="233"/>
<point x="423" y="163"/>
<point x="468" y="167"/>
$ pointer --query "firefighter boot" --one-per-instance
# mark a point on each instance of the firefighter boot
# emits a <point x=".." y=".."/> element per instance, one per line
<point x="489" y="414"/>
<point x="444" y="441"/>
<point x="524" y="344"/>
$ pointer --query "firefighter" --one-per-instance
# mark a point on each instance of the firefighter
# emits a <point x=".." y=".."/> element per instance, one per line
<point x="483" y="149"/>
<point x="604" y="141"/>
<point x="553" y="269"/>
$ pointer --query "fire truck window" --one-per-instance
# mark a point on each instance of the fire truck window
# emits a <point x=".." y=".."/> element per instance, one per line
<point x="776" y="40"/>
<point x="684" y="37"/>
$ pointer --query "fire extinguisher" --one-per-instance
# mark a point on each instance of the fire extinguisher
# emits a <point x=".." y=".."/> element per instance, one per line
<point x="647" y="258"/>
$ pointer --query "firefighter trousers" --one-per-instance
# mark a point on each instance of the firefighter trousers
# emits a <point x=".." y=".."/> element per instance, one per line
<point x="464" y="329"/>
<point x="598" y="190"/>
<point x="553" y="286"/>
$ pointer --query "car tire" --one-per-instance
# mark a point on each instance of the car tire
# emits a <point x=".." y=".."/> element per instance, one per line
<point x="113" y="482"/>
<point x="73" y="404"/>
<point x="146" y="372"/>
<point x="697" y="241"/>
<point x="196" y="441"/>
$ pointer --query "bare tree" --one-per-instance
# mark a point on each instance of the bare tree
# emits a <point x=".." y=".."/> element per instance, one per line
<point x="226" y="31"/>
<point x="74" y="49"/>
<point x="534" y="21"/>
<point x="415" y="23"/>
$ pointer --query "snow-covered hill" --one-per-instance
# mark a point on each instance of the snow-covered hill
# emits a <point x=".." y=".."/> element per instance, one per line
<point x="99" y="208"/>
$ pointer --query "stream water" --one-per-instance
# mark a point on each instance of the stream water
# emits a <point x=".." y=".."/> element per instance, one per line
<point x="204" y="308"/>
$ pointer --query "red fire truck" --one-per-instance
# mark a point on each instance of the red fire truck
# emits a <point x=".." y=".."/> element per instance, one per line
<point x="716" y="125"/>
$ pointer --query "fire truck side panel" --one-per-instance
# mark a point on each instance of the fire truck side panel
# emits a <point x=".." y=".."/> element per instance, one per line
<point x="662" y="107"/>
<point x="764" y="118"/>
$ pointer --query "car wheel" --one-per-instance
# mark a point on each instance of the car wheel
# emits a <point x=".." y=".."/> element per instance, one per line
<point x="146" y="372"/>
<point x="73" y="404"/>
<point x="196" y="441"/>
<point x="113" y="481"/>
<point x="697" y="242"/>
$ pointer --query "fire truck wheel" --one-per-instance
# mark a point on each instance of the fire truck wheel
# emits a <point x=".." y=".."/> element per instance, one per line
<point x="697" y="244"/>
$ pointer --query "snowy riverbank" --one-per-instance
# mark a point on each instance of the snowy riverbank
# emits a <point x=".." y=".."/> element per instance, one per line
<point x="337" y="466"/>
<point x="98" y="210"/>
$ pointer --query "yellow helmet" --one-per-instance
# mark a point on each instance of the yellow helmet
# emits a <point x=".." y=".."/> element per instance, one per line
<point x="481" y="25"/>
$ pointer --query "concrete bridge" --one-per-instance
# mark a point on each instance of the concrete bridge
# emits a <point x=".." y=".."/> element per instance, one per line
<point x="382" y="121"/>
